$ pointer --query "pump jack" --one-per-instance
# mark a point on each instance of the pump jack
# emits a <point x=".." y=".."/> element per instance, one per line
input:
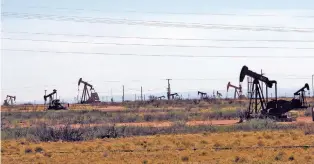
<point x="86" y="98"/>
<point x="174" y="94"/>
<point x="203" y="95"/>
<point x="259" y="107"/>
<point x="219" y="95"/>
<point x="237" y="90"/>
<point x="9" y="99"/>
<point x="161" y="97"/>
<point x="299" y="100"/>
<point x="54" y="103"/>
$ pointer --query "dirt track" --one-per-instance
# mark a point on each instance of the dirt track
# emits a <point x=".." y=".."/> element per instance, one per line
<point x="192" y="123"/>
<point x="168" y="123"/>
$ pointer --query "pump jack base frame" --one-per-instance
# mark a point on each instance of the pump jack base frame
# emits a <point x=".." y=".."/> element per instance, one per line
<point x="53" y="108"/>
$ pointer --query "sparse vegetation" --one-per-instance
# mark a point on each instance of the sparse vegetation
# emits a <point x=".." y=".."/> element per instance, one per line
<point x="125" y="116"/>
<point x="28" y="150"/>
<point x="67" y="133"/>
<point x="180" y="142"/>
<point x="39" y="149"/>
<point x="185" y="158"/>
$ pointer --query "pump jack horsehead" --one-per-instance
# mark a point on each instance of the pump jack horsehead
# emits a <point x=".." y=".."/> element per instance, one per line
<point x="88" y="96"/>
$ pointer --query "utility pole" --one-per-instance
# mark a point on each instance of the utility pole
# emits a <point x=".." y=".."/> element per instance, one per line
<point x="122" y="93"/>
<point x="141" y="93"/>
<point x="262" y="82"/>
<point x="313" y="85"/>
<point x="168" y="89"/>
<point x="135" y="97"/>
<point x="111" y="92"/>
<point x="45" y="95"/>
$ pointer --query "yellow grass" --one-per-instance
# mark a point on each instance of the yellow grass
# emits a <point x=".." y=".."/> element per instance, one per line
<point x="167" y="149"/>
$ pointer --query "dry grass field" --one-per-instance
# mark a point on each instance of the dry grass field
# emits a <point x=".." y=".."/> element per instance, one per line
<point x="145" y="133"/>
<point x="243" y="147"/>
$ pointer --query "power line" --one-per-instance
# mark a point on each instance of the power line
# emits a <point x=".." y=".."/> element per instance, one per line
<point x="159" y="38"/>
<point x="156" y="23"/>
<point x="174" y="13"/>
<point x="135" y="80"/>
<point x="156" y="45"/>
<point x="174" y="79"/>
<point x="158" y="55"/>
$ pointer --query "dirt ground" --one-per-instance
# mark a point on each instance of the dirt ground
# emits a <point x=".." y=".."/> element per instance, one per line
<point x="169" y="123"/>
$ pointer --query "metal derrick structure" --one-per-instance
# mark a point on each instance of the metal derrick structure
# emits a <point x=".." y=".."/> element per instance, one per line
<point x="89" y="95"/>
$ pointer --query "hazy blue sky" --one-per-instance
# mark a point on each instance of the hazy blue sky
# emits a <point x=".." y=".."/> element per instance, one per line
<point x="28" y="74"/>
